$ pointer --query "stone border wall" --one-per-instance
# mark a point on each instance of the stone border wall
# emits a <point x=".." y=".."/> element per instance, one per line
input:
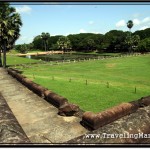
<point x="95" y="121"/>
<point x="50" y="96"/>
<point x="65" y="108"/>
<point x="130" y="129"/>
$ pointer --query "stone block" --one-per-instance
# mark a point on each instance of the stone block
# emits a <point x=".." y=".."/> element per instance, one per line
<point x="54" y="98"/>
<point x="68" y="109"/>
<point x="39" y="90"/>
<point x="100" y="119"/>
<point x="26" y="81"/>
<point x="144" y="101"/>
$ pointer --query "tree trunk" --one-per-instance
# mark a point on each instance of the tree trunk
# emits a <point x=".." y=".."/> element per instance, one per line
<point x="4" y="55"/>
<point x="130" y="50"/>
<point x="0" y="58"/>
<point x="45" y="46"/>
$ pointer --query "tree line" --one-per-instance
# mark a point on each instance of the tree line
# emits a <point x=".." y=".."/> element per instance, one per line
<point x="112" y="41"/>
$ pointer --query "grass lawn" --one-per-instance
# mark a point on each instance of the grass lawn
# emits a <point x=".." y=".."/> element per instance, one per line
<point x="109" y="81"/>
<point x="15" y="60"/>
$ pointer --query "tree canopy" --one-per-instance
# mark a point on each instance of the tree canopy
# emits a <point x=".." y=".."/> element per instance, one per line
<point x="112" y="41"/>
<point x="10" y="23"/>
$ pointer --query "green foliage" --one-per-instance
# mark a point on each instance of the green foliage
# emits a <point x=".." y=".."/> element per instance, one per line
<point x="45" y="37"/>
<point x="85" y="41"/>
<point x="10" y="23"/>
<point x="88" y="44"/>
<point x="144" y="45"/>
<point x="64" y="43"/>
<point x="132" y="42"/>
<point x="23" y="48"/>
<point x="130" y="24"/>
<point x="52" y="42"/>
<point x="143" y="33"/>
<point x="112" y="41"/>
<point x="37" y="42"/>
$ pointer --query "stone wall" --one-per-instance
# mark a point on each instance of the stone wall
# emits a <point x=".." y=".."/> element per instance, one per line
<point x="130" y="129"/>
<point x="100" y="119"/>
<point x="65" y="108"/>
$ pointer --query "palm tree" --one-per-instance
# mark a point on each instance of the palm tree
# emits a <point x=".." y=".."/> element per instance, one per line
<point x="10" y="23"/>
<point x="45" y="37"/>
<point x="130" y="25"/>
<point x="136" y="40"/>
<point x="0" y="57"/>
<point x="64" y="43"/>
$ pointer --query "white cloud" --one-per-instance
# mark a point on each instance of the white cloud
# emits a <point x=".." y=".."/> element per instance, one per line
<point x="136" y="22"/>
<point x="144" y="27"/>
<point x="82" y="31"/>
<point x="24" y="9"/>
<point x="136" y="15"/>
<point x="91" y="22"/>
<point x="142" y="23"/>
<point x="121" y="23"/>
<point x="145" y="20"/>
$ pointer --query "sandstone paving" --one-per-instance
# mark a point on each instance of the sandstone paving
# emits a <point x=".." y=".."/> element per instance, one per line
<point x="10" y="129"/>
<point x="130" y="126"/>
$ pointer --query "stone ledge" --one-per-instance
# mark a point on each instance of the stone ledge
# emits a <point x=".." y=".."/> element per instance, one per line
<point x="54" y="98"/>
<point x="130" y="125"/>
<point x="100" y="119"/>
<point x="50" y="96"/>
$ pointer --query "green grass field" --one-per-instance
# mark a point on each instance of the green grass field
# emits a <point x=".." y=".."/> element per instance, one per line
<point x="15" y="60"/>
<point x="109" y="82"/>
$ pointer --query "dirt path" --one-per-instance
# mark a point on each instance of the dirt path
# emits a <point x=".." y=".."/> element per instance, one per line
<point x="37" y="117"/>
<point x="41" y="53"/>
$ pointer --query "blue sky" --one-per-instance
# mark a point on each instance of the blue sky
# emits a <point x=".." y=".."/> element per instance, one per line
<point x="67" y="19"/>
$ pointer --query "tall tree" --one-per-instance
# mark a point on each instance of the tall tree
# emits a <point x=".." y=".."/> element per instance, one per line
<point x="0" y="56"/>
<point x="144" y="45"/>
<point x="10" y="23"/>
<point x="64" y="43"/>
<point x="135" y="40"/>
<point x="130" y="25"/>
<point x="45" y="37"/>
<point x="143" y="33"/>
<point x="37" y="42"/>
